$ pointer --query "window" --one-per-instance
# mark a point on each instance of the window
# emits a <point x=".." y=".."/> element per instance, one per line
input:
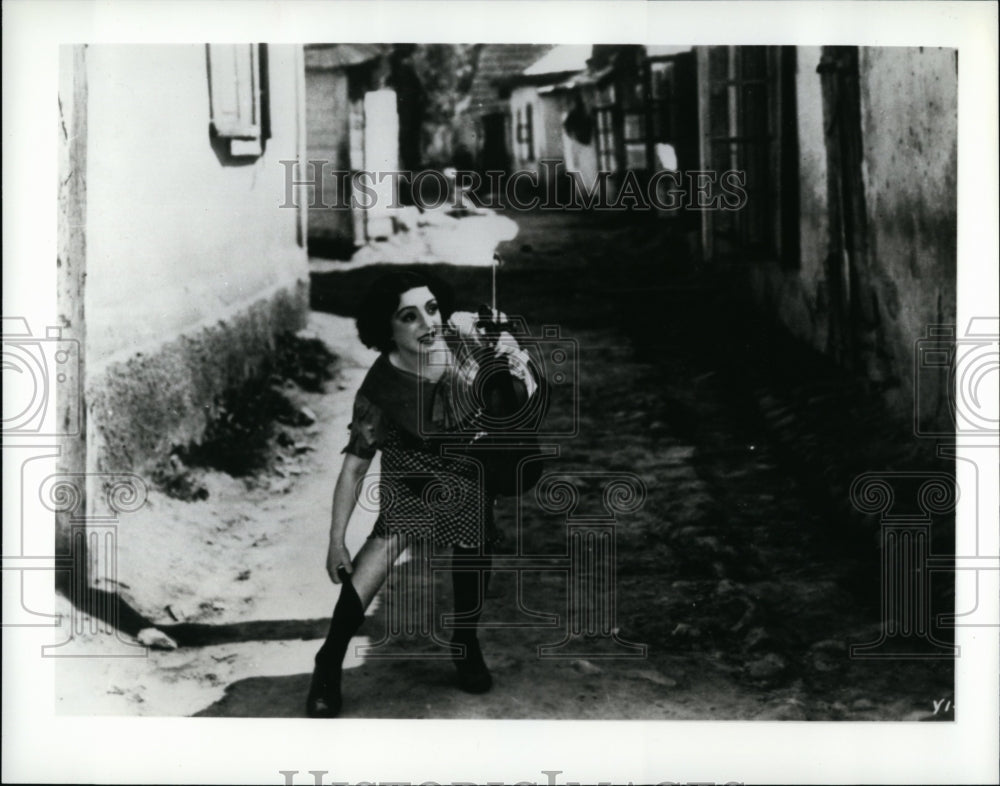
<point x="751" y="129"/>
<point x="238" y="100"/>
<point x="635" y="113"/>
<point x="525" y="134"/>
<point x="604" y="113"/>
<point x="634" y="137"/>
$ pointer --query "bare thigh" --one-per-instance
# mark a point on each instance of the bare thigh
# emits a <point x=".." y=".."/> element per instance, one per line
<point x="372" y="565"/>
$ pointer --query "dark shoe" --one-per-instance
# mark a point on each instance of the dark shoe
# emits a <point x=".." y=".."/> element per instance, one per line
<point x="324" y="690"/>
<point x="324" y="699"/>
<point x="473" y="674"/>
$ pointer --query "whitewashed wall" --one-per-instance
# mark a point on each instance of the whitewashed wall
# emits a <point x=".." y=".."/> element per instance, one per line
<point x="176" y="238"/>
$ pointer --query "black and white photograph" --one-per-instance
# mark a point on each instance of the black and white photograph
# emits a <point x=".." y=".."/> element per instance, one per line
<point x="414" y="381"/>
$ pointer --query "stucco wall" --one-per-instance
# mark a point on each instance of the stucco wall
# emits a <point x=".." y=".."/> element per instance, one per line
<point x="546" y="126"/>
<point x="176" y="237"/>
<point x="909" y="148"/>
<point x="146" y="404"/>
<point x="909" y="115"/>
<point x="192" y="265"/>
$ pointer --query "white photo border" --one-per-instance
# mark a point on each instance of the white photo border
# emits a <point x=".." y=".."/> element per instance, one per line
<point x="37" y="745"/>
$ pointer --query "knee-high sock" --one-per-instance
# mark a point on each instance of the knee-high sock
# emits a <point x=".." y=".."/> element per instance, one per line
<point x="348" y="615"/>
<point x="469" y="585"/>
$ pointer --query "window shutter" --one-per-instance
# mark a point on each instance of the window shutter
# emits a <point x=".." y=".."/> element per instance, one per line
<point x="529" y="134"/>
<point x="234" y="88"/>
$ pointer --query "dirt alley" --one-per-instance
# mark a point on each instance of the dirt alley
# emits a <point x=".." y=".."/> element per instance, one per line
<point x="731" y="573"/>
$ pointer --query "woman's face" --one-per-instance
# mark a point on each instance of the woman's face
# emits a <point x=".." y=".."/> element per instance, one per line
<point x="416" y="324"/>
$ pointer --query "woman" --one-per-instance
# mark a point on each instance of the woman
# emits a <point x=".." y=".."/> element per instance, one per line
<point x="414" y="400"/>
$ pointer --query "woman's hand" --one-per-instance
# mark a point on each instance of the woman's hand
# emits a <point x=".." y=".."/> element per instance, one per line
<point x="507" y="345"/>
<point x="464" y="324"/>
<point x="477" y="327"/>
<point x="473" y="327"/>
<point x="337" y="558"/>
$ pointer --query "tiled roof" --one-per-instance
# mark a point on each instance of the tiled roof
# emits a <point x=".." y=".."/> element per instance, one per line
<point x="592" y="76"/>
<point x="499" y="61"/>
<point x="323" y="56"/>
<point x="564" y="58"/>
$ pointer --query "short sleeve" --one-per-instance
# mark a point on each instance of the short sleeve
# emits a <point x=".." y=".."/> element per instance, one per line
<point x="366" y="427"/>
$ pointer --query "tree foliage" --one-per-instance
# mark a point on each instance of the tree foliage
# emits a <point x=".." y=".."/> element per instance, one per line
<point x="444" y="73"/>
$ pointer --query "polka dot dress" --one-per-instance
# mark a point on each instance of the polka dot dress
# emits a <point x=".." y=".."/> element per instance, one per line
<point x="426" y="495"/>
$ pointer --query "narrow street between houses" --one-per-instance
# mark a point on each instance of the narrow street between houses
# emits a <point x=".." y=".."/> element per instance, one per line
<point x="739" y="573"/>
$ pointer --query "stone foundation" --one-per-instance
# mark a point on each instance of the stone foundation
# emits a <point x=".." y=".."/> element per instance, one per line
<point x="142" y="407"/>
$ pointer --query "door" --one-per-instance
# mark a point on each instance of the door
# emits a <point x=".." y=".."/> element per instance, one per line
<point x="381" y="151"/>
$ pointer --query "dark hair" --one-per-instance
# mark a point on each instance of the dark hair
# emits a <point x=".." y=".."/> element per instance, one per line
<point x="382" y="299"/>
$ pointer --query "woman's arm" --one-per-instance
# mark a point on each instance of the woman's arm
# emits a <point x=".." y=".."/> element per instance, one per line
<point x="470" y="327"/>
<point x="345" y="497"/>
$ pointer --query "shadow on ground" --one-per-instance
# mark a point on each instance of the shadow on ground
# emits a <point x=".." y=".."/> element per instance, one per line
<point x="745" y="573"/>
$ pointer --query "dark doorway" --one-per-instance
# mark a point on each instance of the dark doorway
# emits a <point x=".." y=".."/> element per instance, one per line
<point x="495" y="155"/>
